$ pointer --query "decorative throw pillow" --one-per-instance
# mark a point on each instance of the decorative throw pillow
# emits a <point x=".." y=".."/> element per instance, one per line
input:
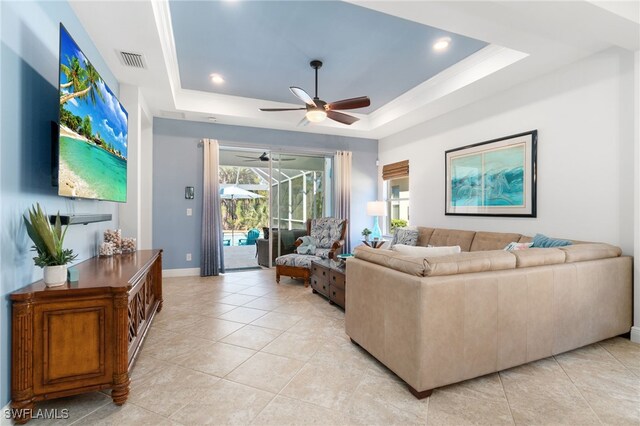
<point x="542" y="241"/>
<point x="517" y="246"/>
<point x="418" y="251"/>
<point x="406" y="236"/>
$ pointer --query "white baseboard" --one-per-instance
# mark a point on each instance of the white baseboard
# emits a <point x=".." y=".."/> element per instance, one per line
<point x="186" y="272"/>
<point x="635" y="334"/>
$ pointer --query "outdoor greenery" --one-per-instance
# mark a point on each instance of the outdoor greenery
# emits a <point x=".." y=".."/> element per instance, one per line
<point x="398" y="223"/>
<point x="243" y="214"/>
<point x="47" y="239"/>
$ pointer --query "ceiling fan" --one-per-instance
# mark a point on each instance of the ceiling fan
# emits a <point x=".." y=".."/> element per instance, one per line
<point x="318" y="110"/>
<point x="263" y="157"/>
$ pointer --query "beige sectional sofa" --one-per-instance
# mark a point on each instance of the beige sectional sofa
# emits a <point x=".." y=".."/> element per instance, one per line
<point x="440" y="320"/>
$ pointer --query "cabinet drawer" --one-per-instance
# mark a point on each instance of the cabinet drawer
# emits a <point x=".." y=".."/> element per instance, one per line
<point x="320" y="285"/>
<point x="337" y="280"/>
<point x="319" y="271"/>
<point x="336" y="295"/>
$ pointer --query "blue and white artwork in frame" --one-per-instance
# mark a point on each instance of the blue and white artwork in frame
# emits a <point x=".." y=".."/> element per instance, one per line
<point x="493" y="178"/>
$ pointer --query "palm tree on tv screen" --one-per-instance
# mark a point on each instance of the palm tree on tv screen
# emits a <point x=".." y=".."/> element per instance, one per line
<point x="84" y="81"/>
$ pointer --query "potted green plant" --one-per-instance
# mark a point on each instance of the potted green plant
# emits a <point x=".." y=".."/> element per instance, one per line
<point x="48" y="241"/>
<point x="365" y="233"/>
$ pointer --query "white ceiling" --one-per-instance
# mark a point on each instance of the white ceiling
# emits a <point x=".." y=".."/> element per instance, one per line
<point x="526" y="39"/>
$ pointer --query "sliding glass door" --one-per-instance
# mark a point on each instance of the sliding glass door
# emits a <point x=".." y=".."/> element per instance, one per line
<point x="301" y="189"/>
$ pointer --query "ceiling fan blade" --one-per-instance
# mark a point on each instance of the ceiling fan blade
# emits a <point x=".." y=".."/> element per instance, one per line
<point x="303" y="122"/>
<point x="280" y="109"/>
<point x="353" y="103"/>
<point x="302" y="95"/>
<point x="250" y="161"/>
<point x="341" y="117"/>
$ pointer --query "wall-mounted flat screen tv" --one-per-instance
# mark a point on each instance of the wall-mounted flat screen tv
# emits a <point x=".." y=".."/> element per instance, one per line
<point x="92" y="160"/>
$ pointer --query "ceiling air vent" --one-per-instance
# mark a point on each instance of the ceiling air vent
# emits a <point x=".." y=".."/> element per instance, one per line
<point x="134" y="60"/>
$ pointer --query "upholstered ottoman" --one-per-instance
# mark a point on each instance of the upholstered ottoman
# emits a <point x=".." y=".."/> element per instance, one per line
<point x="295" y="266"/>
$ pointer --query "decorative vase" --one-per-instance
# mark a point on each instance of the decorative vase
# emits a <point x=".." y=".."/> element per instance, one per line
<point x="366" y="238"/>
<point x="55" y="275"/>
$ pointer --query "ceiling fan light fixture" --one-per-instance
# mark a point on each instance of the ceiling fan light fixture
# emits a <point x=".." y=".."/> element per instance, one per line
<point x="316" y="115"/>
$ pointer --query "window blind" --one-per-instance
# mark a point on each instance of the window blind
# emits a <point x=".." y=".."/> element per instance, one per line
<point x="395" y="170"/>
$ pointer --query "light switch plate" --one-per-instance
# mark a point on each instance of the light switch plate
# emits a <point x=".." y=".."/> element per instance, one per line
<point x="188" y="257"/>
<point x="189" y="212"/>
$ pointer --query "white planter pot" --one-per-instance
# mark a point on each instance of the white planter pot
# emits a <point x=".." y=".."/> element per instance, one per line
<point x="55" y="275"/>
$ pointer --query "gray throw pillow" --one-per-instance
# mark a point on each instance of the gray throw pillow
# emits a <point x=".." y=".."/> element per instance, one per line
<point x="405" y="236"/>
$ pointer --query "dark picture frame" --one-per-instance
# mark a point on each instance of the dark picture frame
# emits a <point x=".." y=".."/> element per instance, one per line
<point x="493" y="178"/>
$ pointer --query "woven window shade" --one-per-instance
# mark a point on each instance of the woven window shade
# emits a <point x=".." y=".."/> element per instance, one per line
<point x="395" y="170"/>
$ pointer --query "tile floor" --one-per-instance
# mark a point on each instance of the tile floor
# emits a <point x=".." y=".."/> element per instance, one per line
<point x="240" y="349"/>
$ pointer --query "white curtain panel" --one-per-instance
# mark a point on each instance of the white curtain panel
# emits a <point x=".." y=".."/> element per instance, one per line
<point x="212" y="249"/>
<point x="342" y="177"/>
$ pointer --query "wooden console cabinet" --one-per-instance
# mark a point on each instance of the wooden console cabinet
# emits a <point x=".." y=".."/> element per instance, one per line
<point x="83" y="336"/>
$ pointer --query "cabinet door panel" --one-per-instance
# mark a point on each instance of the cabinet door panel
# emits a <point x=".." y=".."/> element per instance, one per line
<point x="71" y="345"/>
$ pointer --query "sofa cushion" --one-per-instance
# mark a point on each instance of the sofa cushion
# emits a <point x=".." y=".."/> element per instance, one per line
<point x="464" y="263"/>
<point x="483" y="241"/>
<point x="424" y="235"/>
<point x="391" y="259"/>
<point x="405" y="236"/>
<point x="590" y="251"/>
<point x="542" y="241"/>
<point x="538" y="257"/>
<point x="425" y="251"/>
<point x="453" y="237"/>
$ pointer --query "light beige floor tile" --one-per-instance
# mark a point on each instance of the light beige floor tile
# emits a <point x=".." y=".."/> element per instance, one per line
<point x="452" y="409"/>
<point x="237" y="299"/>
<point x="294" y="346"/>
<point x="327" y="385"/>
<point x="157" y="335"/>
<point x="611" y="389"/>
<point x="226" y="403"/>
<point x="291" y="412"/>
<point x="127" y="414"/>
<point x="69" y="409"/>
<point x="264" y="303"/>
<point x="383" y="401"/>
<point x="344" y="353"/>
<point x="211" y="328"/>
<point x="265" y="371"/>
<point x="301" y="308"/>
<point x="541" y="393"/>
<point x="176" y="320"/>
<point x="624" y="350"/>
<point x="252" y="337"/>
<point x="169" y="388"/>
<point x="278" y="321"/>
<point x="485" y="387"/>
<point x="214" y="309"/>
<point x="243" y="315"/>
<point x="175" y="346"/>
<point x="319" y="326"/>
<point x="256" y="291"/>
<point x="218" y="359"/>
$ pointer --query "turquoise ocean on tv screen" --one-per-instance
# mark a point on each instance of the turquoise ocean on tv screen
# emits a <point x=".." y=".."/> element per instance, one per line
<point x="104" y="173"/>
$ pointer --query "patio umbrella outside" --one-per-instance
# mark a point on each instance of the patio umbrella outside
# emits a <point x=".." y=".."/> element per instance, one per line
<point x="236" y="193"/>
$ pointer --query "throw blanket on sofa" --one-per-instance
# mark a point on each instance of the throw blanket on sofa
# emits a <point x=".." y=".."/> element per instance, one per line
<point x="308" y="245"/>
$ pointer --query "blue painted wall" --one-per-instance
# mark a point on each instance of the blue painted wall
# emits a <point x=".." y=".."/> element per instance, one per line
<point x="177" y="162"/>
<point x="29" y="102"/>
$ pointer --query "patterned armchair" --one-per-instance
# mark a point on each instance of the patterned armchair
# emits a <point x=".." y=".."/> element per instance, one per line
<point x="328" y="234"/>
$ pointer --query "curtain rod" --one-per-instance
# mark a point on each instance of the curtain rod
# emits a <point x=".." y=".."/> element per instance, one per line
<point x="297" y="150"/>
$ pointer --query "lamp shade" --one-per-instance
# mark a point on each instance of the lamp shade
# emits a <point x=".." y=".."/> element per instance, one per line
<point x="376" y="208"/>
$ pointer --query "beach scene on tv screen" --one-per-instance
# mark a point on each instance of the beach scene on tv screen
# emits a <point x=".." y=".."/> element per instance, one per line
<point x="93" y="131"/>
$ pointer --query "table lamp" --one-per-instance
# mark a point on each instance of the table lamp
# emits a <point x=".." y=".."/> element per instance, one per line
<point x="375" y="209"/>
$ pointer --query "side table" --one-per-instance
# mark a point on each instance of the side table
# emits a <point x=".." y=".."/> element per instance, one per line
<point x="328" y="278"/>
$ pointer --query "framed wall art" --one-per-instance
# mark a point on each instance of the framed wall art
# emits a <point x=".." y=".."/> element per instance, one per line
<point x="493" y="178"/>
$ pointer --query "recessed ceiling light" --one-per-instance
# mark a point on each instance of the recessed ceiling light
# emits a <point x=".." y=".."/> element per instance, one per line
<point x="442" y="43"/>
<point x="217" y="78"/>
